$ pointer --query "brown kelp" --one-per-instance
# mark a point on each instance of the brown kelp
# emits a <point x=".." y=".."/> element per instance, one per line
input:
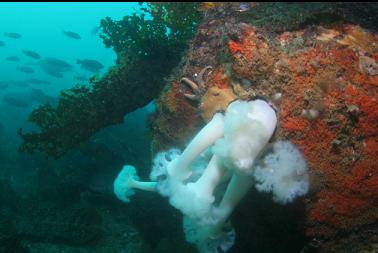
<point x="147" y="50"/>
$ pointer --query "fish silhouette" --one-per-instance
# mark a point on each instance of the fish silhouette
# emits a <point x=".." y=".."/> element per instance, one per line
<point x="31" y="54"/>
<point x="90" y="65"/>
<point x="71" y="34"/>
<point x="27" y="70"/>
<point x="13" y="35"/>
<point x="12" y="58"/>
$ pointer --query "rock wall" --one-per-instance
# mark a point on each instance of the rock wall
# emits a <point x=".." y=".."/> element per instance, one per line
<point x="322" y="77"/>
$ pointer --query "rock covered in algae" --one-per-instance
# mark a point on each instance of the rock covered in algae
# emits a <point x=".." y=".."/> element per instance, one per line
<point x="322" y="78"/>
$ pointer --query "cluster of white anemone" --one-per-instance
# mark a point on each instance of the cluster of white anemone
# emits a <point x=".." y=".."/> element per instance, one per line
<point x="225" y="159"/>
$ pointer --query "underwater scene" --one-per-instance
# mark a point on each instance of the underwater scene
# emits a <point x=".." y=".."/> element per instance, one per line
<point x="198" y="127"/>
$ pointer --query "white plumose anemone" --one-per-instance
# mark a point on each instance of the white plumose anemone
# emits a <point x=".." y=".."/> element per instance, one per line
<point x="247" y="129"/>
<point x="283" y="172"/>
<point x="207" y="188"/>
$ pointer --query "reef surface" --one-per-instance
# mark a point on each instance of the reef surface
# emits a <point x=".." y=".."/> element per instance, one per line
<point x="322" y="77"/>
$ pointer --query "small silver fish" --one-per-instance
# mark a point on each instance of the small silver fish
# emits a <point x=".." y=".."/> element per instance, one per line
<point x="90" y="65"/>
<point x="243" y="7"/>
<point x="13" y="35"/>
<point x="71" y="34"/>
<point x="31" y="54"/>
<point x="27" y="70"/>
<point x="12" y="58"/>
